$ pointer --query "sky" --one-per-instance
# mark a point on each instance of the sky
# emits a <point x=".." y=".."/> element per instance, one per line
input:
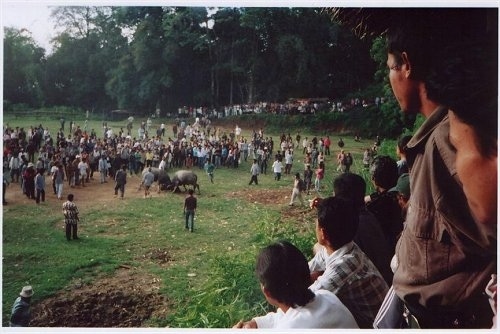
<point x="35" y="15"/>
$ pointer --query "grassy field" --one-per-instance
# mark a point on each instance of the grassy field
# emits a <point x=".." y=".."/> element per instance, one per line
<point x="206" y="277"/>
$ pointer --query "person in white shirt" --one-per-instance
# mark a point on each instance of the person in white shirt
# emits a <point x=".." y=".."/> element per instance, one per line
<point x="83" y="167"/>
<point x="284" y="278"/>
<point x="277" y="166"/>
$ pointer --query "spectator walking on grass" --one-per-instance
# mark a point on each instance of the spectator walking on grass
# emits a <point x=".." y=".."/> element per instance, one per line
<point x="254" y="170"/>
<point x="209" y="168"/>
<point x="71" y="219"/>
<point x="298" y="188"/>
<point x="190" y="204"/>
<point x="284" y="279"/>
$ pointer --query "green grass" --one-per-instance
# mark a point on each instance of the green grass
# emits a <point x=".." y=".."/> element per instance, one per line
<point x="229" y="231"/>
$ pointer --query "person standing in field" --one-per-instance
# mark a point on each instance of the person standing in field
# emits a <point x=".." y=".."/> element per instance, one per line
<point x="40" y="185"/>
<point x="209" y="168"/>
<point x="320" y="174"/>
<point x="71" y="219"/>
<point x="59" y="180"/>
<point x="148" y="180"/>
<point x="277" y="167"/>
<point x="190" y="204"/>
<point x="298" y="187"/>
<point x="254" y="170"/>
<point x="121" y="180"/>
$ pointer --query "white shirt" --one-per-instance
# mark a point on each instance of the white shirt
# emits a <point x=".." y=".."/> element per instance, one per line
<point x="324" y="311"/>
<point x="277" y="166"/>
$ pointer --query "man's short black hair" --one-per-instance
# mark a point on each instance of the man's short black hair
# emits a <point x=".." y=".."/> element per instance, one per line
<point x="352" y="186"/>
<point x="283" y="270"/>
<point x="384" y="171"/>
<point x="339" y="218"/>
<point x="70" y="197"/>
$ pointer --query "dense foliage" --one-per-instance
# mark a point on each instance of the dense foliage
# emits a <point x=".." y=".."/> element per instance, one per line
<point x="145" y="59"/>
<point x="141" y="58"/>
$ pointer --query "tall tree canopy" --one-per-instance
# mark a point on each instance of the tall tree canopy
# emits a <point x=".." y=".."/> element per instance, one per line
<point x="148" y="58"/>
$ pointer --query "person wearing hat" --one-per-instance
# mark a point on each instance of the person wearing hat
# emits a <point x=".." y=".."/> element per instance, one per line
<point x="29" y="181"/>
<point x="21" y="314"/>
<point x="402" y="189"/>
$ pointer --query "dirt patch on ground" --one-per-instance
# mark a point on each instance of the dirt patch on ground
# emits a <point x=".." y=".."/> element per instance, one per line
<point x="127" y="299"/>
<point x="302" y="216"/>
<point x="262" y="195"/>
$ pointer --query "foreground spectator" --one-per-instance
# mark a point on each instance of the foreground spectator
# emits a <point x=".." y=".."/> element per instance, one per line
<point x="340" y="266"/>
<point x="284" y="278"/>
<point x="21" y="313"/>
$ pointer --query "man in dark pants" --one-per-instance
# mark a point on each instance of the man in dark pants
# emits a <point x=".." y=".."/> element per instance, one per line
<point x="189" y="210"/>
<point x="71" y="219"/>
<point x="121" y="180"/>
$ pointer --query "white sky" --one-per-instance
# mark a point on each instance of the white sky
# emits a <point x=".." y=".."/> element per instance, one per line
<point x="35" y="15"/>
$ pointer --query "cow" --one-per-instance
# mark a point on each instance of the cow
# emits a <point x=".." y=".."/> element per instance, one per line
<point x="161" y="177"/>
<point x="183" y="178"/>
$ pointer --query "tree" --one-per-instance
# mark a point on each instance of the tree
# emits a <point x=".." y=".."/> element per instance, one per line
<point x="23" y="69"/>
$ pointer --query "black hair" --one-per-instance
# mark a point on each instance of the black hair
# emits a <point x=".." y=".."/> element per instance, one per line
<point x="339" y="218"/>
<point x="70" y="197"/>
<point x="352" y="186"/>
<point x="467" y="84"/>
<point x="403" y="140"/>
<point x="283" y="270"/>
<point x="454" y="51"/>
<point x="384" y="171"/>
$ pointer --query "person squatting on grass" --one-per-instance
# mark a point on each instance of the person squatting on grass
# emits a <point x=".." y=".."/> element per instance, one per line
<point x="71" y="219"/>
<point x="284" y="278"/>
<point x="21" y="313"/>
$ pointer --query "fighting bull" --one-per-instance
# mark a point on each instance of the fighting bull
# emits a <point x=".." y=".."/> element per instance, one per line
<point x="184" y="178"/>
<point x="161" y="176"/>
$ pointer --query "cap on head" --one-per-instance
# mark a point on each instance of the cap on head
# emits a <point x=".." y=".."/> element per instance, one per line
<point x="403" y="185"/>
<point x="26" y="292"/>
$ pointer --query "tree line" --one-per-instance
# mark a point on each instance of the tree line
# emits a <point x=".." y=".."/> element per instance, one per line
<point x="144" y="59"/>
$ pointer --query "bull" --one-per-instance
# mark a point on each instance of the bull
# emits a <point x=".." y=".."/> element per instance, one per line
<point x="184" y="178"/>
<point x="161" y="177"/>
